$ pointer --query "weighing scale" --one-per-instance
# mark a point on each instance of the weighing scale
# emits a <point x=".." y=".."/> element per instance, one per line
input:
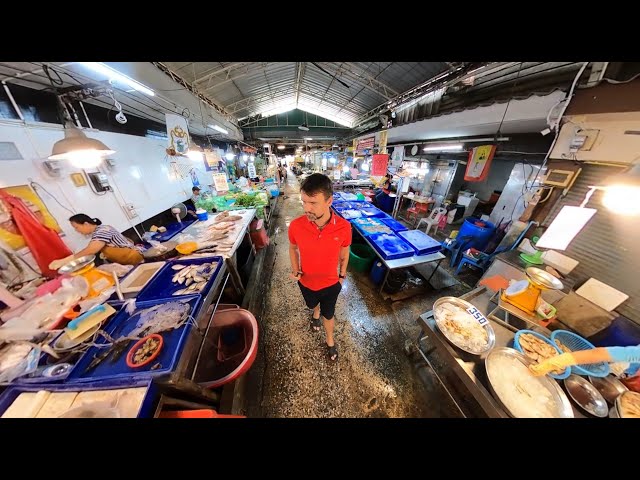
<point x="86" y="268"/>
<point x="524" y="294"/>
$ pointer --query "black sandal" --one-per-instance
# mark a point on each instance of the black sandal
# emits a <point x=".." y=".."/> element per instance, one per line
<point x="316" y="324"/>
<point x="333" y="352"/>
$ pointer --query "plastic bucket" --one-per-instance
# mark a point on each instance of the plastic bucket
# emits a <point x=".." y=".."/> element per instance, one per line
<point x="361" y="257"/>
<point x="202" y="216"/>
<point x="480" y="234"/>
<point x="377" y="272"/>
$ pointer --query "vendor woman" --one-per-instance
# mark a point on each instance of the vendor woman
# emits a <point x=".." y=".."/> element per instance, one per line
<point x="106" y="240"/>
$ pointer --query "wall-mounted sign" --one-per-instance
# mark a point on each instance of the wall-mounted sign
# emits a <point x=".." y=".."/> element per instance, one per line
<point x="220" y="182"/>
<point x="212" y="160"/>
<point x="379" y="164"/>
<point x="397" y="157"/>
<point x="78" y="179"/>
<point x="479" y="163"/>
<point x="252" y="170"/>
<point x="365" y="144"/>
<point x="178" y="133"/>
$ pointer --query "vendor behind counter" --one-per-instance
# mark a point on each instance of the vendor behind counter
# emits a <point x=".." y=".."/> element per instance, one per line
<point x="105" y="240"/>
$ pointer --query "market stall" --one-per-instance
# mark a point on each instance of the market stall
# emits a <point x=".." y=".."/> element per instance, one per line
<point x="490" y="356"/>
<point x="172" y="338"/>
<point x="396" y="246"/>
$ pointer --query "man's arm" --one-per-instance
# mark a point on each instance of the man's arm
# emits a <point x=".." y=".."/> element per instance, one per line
<point x="344" y="261"/>
<point x="295" y="262"/>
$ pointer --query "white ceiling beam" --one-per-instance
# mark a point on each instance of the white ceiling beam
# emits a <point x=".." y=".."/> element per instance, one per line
<point x="218" y="71"/>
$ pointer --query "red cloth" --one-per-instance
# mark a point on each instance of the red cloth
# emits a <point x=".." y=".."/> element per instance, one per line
<point x="45" y="244"/>
<point x="319" y="249"/>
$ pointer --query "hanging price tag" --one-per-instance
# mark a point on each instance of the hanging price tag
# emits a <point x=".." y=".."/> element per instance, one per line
<point x="477" y="314"/>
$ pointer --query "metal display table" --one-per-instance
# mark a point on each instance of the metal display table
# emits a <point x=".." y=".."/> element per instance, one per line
<point x="470" y="368"/>
<point x="412" y="261"/>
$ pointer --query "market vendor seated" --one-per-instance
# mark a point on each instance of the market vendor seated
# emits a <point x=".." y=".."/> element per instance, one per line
<point x="105" y="240"/>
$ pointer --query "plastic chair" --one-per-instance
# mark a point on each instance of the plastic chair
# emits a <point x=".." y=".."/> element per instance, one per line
<point x="432" y="220"/>
<point x="417" y="209"/>
<point x="459" y="245"/>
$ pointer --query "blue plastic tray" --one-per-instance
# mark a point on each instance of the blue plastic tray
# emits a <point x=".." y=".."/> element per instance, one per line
<point x="146" y="409"/>
<point x="574" y="343"/>
<point x="391" y="246"/>
<point x="359" y="223"/>
<point x="420" y="241"/>
<point x="122" y="324"/>
<point x="349" y="214"/>
<point x="161" y="285"/>
<point x="371" y="211"/>
<point x="393" y="224"/>
<point x="172" y="230"/>
<point x="517" y="346"/>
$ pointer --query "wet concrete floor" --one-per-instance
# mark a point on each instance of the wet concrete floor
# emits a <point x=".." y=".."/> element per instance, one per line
<point x="378" y="373"/>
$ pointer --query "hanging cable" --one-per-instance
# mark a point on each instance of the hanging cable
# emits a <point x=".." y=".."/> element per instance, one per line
<point x="36" y="184"/>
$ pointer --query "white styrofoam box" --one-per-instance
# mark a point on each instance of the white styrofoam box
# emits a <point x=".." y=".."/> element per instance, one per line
<point x="601" y="294"/>
<point x="560" y="262"/>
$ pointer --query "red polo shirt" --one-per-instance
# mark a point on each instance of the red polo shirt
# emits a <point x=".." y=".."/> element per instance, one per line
<point x="319" y="249"/>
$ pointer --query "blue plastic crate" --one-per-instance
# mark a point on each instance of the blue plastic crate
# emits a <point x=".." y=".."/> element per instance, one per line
<point x="393" y="224"/>
<point x="161" y="285"/>
<point x="574" y="343"/>
<point x="371" y="211"/>
<point x="517" y="346"/>
<point x="420" y="241"/>
<point x="121" y="325"/>
<point x="390" y="246"/>
<point x="172" y="230"/>
<point x="147" y="408"/>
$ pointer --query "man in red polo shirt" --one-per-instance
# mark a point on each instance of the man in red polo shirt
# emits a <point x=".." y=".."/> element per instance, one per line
<point x="319" y="250"/>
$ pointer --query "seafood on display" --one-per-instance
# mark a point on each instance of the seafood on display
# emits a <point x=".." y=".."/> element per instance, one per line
<point x="630" y="405"/>
<point x="522" y="393"/>
<point x="562" y="346"/>
<point x="538" y="350"/>
<point x="193" y="277"/>
<point x="147" y="349"/>
<point x="461" y="327"/>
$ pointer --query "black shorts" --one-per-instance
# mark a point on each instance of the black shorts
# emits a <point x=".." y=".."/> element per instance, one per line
<point x="327" y="298"/>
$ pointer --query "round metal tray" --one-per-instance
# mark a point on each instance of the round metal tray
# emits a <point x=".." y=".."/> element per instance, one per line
<point x="562" y="404"/>
<point x="76" y="264"/>
<point x="491" y="340"/>
<point x="586" y="396"/>
<point x="609" y="387"/>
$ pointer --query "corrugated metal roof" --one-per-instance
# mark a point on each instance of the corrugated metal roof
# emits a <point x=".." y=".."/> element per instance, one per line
<point x="343" y="90"/>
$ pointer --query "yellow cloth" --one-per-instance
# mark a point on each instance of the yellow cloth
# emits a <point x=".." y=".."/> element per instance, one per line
<point x="123" y="256"/>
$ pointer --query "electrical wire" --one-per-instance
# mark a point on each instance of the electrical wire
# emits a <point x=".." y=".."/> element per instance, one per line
<point x="610" y="80"/>
<point x="51" y="195"/>
<point x="510" y="98"/>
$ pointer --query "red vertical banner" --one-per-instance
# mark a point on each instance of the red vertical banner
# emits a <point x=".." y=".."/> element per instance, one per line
<point x="479" y="163"/>
<point x="379" y="164"/>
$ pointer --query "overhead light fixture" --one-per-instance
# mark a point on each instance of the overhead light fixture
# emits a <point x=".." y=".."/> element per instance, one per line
<point x="620" y="191"/>
<point x="195" y="152"/>
<point x="281" y="147"/>
<point x="303" y="127"/>
<point x="219" y="129"/>
<point x="80" y="150"/>
<point x="443" y="148"/>
<point x="229" y="156"/>
<point x="308" y="138"/>
<point x="245" y="157"/>
<point x="115" y="75"/>
<point x="252" y="158"/>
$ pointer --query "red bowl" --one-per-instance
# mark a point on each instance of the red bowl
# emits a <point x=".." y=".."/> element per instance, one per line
<point x="138" y="345"/>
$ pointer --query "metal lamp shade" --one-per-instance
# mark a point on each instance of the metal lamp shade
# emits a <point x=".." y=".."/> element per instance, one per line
<point x="75" y="140"/>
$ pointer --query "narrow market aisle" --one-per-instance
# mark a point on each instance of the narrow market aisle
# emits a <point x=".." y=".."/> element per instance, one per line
<point x="373" y="377"/>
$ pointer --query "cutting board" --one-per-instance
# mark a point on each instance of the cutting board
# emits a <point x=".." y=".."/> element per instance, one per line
<point x="602" y="294"/>
<point x="581" y="315"/>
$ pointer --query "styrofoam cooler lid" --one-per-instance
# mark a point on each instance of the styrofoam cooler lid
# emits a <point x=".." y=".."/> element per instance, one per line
<point x="517" y="288"/>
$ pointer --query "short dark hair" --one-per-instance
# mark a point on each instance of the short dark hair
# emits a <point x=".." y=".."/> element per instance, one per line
<point x="317" y="183"/>
<point x="194" y="189"/>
